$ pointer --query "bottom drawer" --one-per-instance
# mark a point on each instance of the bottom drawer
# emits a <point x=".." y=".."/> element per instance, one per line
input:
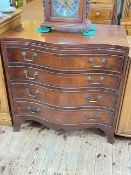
<point x="96" y="116"/>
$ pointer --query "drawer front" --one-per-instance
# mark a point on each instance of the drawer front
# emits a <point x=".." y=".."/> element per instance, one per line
<point x="101" y="13"/>
<point x="102" y="1"/>
<point x="82" y="99"/>
<point x="68" y="62"/>
<point x="99" y="80"/>
<point x="65" y="99"/>
<point x="63" y="117"/>
<point x="93" y="62"/>
<point x="34" y="57"/>
<point x="28" y="91"/>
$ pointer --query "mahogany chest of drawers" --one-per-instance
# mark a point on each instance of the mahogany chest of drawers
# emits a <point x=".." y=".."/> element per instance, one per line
<point x="65" y="80"/>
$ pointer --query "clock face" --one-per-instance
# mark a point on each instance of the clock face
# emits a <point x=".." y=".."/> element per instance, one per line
<point x="65" y="9"/>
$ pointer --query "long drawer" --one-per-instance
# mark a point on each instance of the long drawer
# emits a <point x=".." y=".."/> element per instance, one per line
<point x="100" y="80"/>
<point x="69" y="99"/>
<point x="24" y="108"/>
<point x="66" y="62"/>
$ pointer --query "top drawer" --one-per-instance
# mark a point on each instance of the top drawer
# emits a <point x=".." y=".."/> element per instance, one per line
<point x="66" y="62"/>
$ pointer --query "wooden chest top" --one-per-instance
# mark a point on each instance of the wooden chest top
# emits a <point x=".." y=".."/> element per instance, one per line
<point x="105" y="34"/>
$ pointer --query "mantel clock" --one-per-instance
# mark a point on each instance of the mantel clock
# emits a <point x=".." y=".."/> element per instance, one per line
<point x="69" y="15"/>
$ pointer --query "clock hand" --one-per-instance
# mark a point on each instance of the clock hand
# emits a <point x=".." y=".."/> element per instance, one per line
<point x="66" y="5"/>
<point x="69" y="6"/>
<point x="63" y="5"/>
<point x="66" y="2"/>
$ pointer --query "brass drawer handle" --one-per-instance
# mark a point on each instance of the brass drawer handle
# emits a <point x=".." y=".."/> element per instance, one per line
<point x="103" y="62"/>
<point x="26" y="72"/>
<point x="33" y="111"/>
<point x="30" y="94"/>
<point x="87" y="117"/>
<point x="92" y="82"/>
<point x="24" y="54"/>
<point x="91" y="100"/>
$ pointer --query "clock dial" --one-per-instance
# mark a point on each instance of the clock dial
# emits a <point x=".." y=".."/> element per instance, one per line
<point x="66" y="8"/>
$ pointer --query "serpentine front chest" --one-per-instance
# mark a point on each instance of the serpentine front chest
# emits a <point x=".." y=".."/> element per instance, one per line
<point x="65" y="80"/>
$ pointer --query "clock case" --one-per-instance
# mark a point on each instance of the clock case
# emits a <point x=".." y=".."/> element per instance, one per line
<point x="67" y="25"/>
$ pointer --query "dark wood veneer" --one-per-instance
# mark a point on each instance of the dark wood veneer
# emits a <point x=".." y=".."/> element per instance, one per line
<point x="55" y="61"/>
<point x="63" y="80"/>
<point x="96" y="98"/>
<point x="63" y="116"/>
